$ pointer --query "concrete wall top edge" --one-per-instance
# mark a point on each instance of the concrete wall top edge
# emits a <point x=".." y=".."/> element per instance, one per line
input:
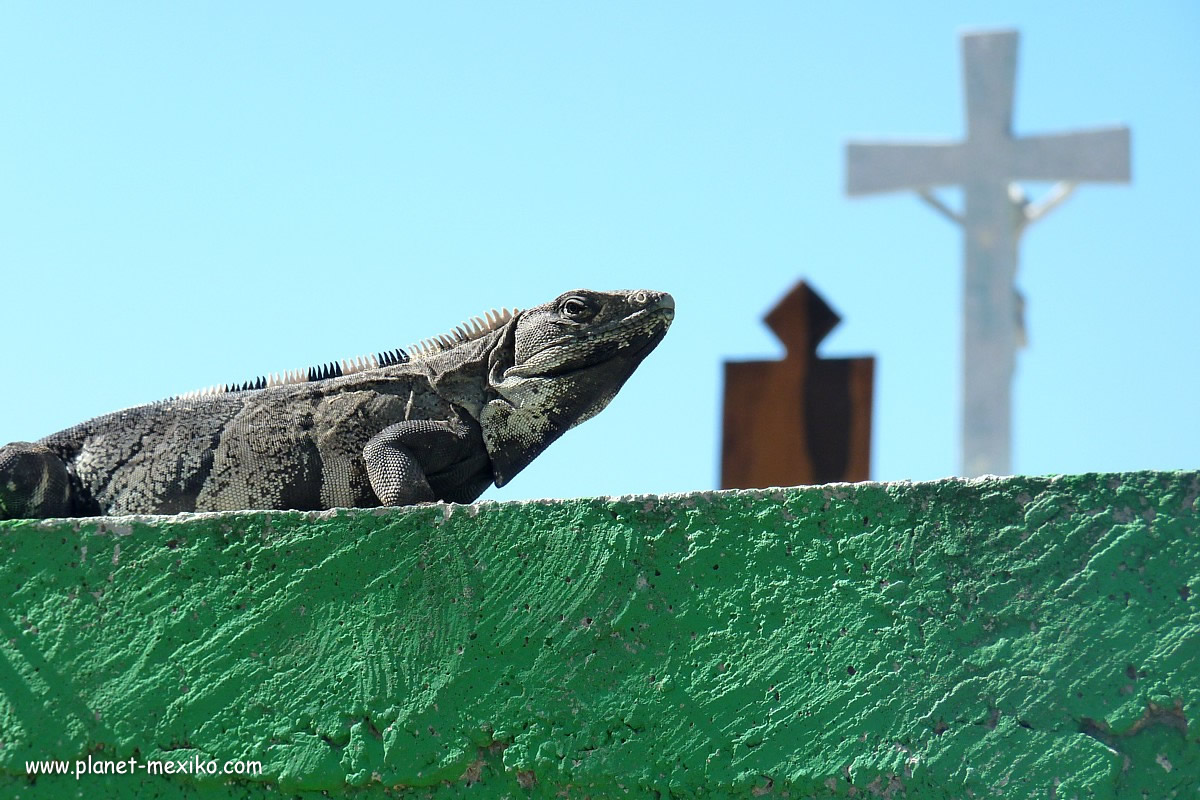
<point x="708" y="495"/>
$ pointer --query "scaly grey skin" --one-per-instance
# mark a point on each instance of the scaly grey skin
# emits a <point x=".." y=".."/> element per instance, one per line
<point x="463" y="412"/>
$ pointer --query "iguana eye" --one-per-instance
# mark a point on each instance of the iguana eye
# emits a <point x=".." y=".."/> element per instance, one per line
<point x="575" y="308"/>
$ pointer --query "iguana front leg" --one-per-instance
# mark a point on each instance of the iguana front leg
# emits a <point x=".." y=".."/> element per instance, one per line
<point x="401" y="456"/>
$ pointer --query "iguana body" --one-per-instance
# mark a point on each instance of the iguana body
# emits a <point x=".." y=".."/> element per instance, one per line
<point x="465" y="411"/>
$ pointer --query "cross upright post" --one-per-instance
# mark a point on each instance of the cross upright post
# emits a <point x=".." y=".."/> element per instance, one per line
<point x="994" y="214"/>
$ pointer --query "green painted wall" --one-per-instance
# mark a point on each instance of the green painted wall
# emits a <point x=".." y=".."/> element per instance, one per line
<point x="1020" y="637"/>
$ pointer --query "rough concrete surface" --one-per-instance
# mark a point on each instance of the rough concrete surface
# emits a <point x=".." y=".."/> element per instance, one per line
<point x="1017" y="637"/>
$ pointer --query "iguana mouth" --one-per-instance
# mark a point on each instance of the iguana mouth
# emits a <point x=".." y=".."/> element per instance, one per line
<point x="664" y="313"/>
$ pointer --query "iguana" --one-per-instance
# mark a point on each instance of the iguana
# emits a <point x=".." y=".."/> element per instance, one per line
<point x="439" y="421"/>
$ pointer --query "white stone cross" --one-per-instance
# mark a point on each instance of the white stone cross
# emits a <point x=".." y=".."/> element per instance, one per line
<point x="994" y="215"/>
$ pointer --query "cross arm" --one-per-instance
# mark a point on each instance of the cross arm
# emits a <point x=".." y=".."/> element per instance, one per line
<point x="886" y="167"/>
<point x="1096" y="155"/>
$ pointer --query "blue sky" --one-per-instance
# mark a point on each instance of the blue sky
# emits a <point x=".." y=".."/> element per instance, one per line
<point x="203" y="193"/>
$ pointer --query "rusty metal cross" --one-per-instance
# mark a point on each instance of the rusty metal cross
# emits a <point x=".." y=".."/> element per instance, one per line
<point x="802" y="420"/>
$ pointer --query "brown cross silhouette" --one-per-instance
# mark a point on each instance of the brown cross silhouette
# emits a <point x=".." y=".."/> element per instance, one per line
<point x="802" y="420"/>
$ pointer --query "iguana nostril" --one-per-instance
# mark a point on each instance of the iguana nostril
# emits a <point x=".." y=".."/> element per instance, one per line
<point x="641" y="298"/>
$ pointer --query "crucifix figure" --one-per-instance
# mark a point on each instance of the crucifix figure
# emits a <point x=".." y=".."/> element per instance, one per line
<point x="995" y="213"/>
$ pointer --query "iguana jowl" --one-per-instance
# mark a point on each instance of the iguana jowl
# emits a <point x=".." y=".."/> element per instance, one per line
<point x="441" y="422"/>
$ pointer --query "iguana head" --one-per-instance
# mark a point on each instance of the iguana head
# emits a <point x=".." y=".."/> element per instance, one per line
<point x="569" y="358"/>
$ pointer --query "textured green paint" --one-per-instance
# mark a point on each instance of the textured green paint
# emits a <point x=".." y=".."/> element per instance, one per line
<point x="1018" y="637"/>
